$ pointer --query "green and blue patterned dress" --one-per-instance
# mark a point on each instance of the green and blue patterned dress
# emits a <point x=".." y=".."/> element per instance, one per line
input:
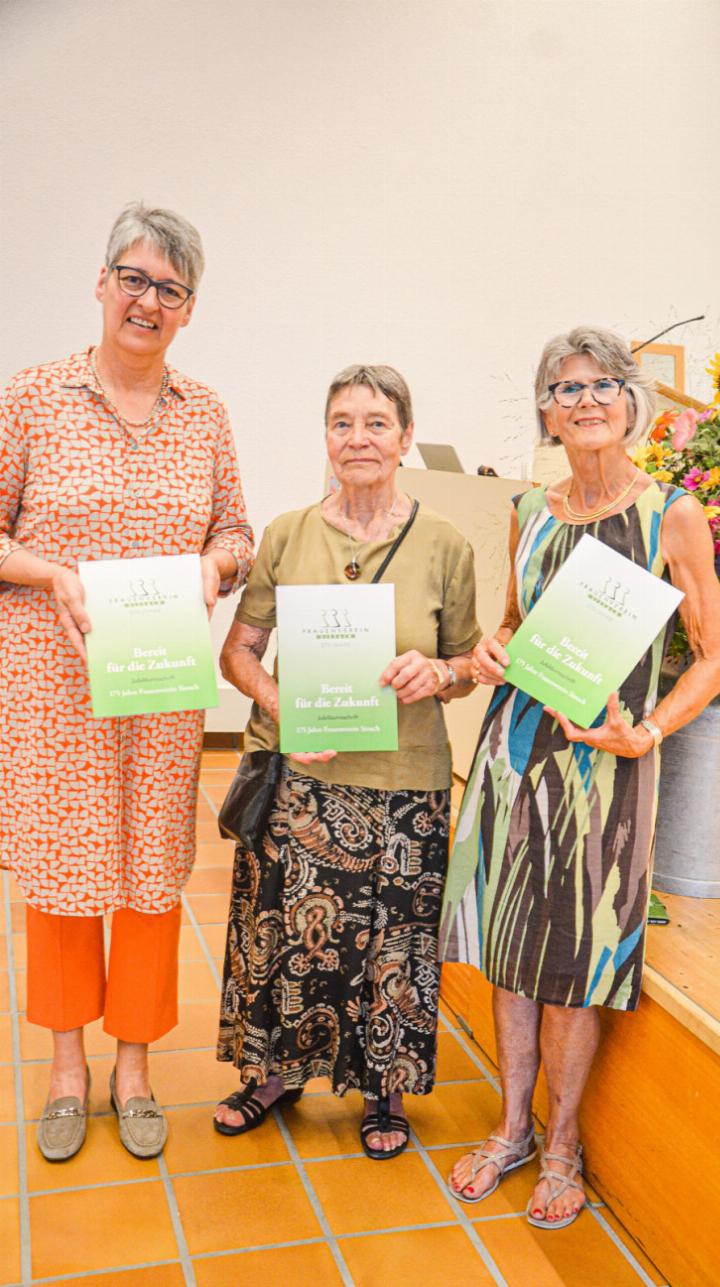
<point x="549" y="878"/>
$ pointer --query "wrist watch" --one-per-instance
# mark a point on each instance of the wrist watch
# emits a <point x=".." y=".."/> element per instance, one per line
<point x="452" y="674"/>
<point x="654" y="729"/>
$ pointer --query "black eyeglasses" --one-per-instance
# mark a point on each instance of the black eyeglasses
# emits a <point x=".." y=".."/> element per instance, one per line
<point x="133" y="281"/>
<point x="567" y="393"/>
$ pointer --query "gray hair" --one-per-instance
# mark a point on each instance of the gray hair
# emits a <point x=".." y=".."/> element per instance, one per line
<point x="381" y="379"/>
<point x="168" y="232"/>
<point x="612" y="354"/>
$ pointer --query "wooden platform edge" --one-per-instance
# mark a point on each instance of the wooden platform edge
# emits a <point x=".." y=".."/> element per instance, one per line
<point x="681" y="1006"/>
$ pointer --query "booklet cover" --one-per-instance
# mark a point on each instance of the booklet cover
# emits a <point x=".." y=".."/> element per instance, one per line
<point x="149" y="647"/>
<point x="334" y="642"/>
<point x="587" y="631"/>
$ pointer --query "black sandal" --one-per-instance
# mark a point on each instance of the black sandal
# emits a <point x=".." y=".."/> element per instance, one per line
<point x="254" y="1111"/>
<point x="383" y="1121"/>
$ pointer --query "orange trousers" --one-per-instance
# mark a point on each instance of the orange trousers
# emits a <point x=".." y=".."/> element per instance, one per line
<point x="67" y="985"/>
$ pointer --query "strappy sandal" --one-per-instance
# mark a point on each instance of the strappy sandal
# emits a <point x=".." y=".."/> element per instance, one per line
<point x="508" y="1158"/>
<point x="384" y="1122"/>
<point x="253" y="1110"/>
<point x="558" y="1183"/>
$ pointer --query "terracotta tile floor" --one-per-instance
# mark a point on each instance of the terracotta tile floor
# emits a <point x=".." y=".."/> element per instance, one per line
<point x="293" y="1203"/>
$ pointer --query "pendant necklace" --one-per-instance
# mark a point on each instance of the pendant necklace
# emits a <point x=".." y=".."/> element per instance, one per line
<point x="597" y="513"/>
<point x="352" y="569"/>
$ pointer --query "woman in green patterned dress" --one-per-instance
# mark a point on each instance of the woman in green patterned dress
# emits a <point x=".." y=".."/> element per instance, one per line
<point x="549" y="881"/>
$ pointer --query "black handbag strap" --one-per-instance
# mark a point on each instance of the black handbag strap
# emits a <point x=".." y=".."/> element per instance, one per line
<point x="396" y="543"/>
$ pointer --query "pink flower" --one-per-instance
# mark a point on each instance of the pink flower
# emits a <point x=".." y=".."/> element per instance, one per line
<point x="684" y="427"/>
<point x="707" y="414"/>
<point x="691" y="481"/>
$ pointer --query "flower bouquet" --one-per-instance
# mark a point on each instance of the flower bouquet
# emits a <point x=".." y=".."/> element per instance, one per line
<point x="683" y="447"/>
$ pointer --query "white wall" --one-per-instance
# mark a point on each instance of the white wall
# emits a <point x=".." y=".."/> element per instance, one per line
<point x="439" y="184"/>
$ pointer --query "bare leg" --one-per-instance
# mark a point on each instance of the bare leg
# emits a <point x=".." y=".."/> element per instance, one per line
<point x="132" y="1076"/>
<point x="568" y="1040"/>
<point x="516" y="1027"/>
<point x="67" y="1074"/>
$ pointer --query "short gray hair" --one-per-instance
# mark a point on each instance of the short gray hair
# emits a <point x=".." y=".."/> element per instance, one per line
<point x="172" y="235"/>
<point x="381" y="379"/>
<point x="612" y="354"/>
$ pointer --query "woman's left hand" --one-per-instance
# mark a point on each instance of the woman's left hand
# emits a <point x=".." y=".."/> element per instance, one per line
<point x="210" y="581"/>
<point x="413" y="677"/>
<point x="615" y="735"/>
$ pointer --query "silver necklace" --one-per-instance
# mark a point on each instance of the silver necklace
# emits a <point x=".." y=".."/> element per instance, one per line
<point x="130" y="424"/>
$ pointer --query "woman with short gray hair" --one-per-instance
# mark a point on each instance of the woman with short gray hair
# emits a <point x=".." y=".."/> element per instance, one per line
<point x="108" y="454"/>
<point x="331" y="958"/>
<point x="549" y="879"/>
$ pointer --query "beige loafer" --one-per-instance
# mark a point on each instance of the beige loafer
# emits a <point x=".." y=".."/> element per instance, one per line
<point x="142" y="1123"/>
<point x="63" y="1126"/>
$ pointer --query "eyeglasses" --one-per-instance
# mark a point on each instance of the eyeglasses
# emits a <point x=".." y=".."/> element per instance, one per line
<point x="133" y="281"/>
<point x="567" y="393"/>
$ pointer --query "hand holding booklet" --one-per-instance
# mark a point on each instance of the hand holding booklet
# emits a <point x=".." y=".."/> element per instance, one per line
<point x="334" y="642"/>
<point x="588" y="630"/>
<point x="149" y="647"/>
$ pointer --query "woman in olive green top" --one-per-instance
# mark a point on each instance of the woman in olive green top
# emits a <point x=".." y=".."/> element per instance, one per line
<point x="331" y="960"/>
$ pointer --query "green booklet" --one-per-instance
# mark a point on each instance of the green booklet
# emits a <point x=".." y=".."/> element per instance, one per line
<point x="149" y="647"/>
<point x="587" y="631"/>
<point x="334" y="642"/>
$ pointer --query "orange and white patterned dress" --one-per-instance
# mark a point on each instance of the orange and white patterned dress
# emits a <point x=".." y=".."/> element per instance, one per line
<point x="97" y="814"/>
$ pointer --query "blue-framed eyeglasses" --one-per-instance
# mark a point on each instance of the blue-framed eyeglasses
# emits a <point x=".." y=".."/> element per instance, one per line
<point x="567" y="393"/>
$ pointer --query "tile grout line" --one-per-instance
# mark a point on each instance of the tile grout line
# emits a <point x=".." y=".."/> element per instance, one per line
<point x="626" y="1252"/>
<point x="462" y="1218"/>
<point x="209" y="958"/>
<point x="287" y="1137"/>
<point x="179" y="1232"/>
<point x="97" y="1273"/>
<point x="314" y="1200"/>
<point x="190" y="913"/>
<point x="249" y="1166"/>
<point x="462" y="1042"/>
<point x="25" y="1244"/>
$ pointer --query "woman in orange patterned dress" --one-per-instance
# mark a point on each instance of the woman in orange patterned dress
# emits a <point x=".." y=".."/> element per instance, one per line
<point x="108" y="454"/>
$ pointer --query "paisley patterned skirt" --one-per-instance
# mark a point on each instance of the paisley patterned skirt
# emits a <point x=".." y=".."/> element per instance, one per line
<point x="331" y="959"/>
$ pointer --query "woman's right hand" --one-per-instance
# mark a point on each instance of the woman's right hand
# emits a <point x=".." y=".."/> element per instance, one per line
<point x="312" y="757"/>
<point x="69" y="595"/>
<point x="489" y="660"/>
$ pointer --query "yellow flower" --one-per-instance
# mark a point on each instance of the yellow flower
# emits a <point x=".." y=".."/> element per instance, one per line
<point x="663" y="476"/>
<point x="713" y="479"/>
<point x="714" y="370"/>
<point x="658" y="453"/>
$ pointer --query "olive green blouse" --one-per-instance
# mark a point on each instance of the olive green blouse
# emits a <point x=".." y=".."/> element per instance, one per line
<point x="434" y="580"/>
